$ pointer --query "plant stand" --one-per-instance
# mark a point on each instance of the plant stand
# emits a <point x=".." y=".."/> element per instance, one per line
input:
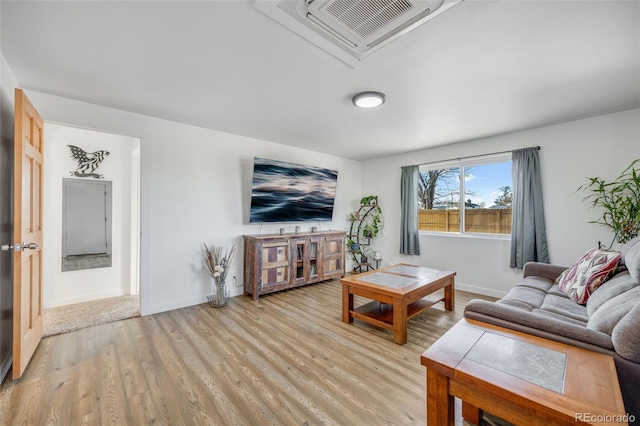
<point x="359" y="235"/>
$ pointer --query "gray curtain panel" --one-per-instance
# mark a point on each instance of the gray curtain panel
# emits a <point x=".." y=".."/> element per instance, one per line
<point x="409" y="211"/>
<point x="528" y="230"/>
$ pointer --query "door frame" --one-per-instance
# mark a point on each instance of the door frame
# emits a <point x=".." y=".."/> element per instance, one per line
<point x="56" y="175"/>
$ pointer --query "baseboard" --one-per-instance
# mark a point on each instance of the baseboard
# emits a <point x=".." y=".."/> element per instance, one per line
<point x="191" y="301"/>
<point x="80" y="299"/>
<point x="177" y="304"/>
<point x="480" y="290"/>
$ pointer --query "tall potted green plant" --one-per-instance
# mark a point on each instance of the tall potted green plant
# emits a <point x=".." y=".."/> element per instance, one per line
<point x="619" y="200"/>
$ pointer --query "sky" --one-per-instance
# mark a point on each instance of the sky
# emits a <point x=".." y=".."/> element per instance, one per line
<point x="486" y="180"/>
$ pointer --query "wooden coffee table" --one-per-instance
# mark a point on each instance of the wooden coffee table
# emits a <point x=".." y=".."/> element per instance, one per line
<point x="523" y="379"/>
<point x="398" y="293"/>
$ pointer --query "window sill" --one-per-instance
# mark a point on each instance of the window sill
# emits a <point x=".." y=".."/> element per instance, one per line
<point x="503" y="237"/>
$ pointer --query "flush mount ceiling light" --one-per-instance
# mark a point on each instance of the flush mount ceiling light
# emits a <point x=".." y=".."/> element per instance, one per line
<point x="368" y="99"/>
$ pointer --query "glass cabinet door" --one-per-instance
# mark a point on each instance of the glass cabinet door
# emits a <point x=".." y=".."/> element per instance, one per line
<point x="313" y="260"/>
<point x="300" y="248"/>
<point x="307" y="260"/>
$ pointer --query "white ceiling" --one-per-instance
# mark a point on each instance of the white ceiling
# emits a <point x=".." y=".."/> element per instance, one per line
<point x="481" y="68"/>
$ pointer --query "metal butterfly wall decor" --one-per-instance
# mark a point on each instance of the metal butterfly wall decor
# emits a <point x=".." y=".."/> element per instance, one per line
<point x="88" y="162"/>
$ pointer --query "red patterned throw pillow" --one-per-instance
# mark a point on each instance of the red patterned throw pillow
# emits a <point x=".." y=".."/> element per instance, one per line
<point x="591" y="270"/>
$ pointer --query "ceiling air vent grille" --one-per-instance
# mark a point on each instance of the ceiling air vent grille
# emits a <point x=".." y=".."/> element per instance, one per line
<point x="365" y="17"/>
<point x="352" y="29"/>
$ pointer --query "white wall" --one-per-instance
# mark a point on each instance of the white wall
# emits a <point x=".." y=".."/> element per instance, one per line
<point x="63" y="288"/>
<point x="196" y="187"/>
<point x="602" y="146"/>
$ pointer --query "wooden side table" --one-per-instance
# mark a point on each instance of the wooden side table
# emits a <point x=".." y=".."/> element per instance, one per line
<point x="523" y="379"/>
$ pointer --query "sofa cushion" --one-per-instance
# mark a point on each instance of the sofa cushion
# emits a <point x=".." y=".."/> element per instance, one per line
<point x="611" y="312"/>
<point x="538" y="283"/>
<point x="556" y="292"/>
<point x="624" y="248"/>
<point x="632" y="261"/>
<point x="522" y="297"/>
<point x="625" y="335"/>
<point x="561" y="316"/>
<point x="591" y="270"/>
<point x="564" y="306"/>
<point x="620" y="283"/>
<point x="484" y="310"/>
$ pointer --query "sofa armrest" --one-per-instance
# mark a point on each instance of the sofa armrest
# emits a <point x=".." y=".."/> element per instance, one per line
<point x="537" y="269"/>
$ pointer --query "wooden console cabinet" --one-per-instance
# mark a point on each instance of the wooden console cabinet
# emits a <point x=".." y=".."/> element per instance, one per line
<point x="277" y="262"/>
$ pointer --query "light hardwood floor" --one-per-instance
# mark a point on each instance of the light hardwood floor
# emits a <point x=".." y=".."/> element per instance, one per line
<point x="287" y="359"/>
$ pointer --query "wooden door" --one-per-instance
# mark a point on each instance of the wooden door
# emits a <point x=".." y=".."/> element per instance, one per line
<point x="27" y="232"/>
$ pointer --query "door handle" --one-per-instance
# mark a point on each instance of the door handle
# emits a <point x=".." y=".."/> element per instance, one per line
<point x="18" y="246"/>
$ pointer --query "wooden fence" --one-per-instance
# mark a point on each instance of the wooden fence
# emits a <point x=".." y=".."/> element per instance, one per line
<point x="489" y="221"/>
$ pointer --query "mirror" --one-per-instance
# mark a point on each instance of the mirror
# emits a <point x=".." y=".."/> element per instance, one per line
<point x="86" y="224"/>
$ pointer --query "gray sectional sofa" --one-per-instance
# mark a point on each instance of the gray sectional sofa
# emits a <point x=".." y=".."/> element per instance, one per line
<point x="609" y="322"/>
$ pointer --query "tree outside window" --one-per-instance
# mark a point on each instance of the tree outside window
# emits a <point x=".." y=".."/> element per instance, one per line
<point x="487" y="196"/>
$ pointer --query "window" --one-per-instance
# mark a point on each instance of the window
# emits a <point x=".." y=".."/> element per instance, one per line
<point x="485" y="202"/>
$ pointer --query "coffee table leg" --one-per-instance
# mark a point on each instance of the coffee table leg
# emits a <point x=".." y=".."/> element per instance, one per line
<point x="449" y="297"/>
<point x="399" y="322"/>
<point x="440" y="405"/>
<point x="347" y="304"/>
<point x="471" y="413"/>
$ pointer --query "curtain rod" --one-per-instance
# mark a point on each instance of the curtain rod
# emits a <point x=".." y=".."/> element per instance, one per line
<point x="475" y="156"/>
